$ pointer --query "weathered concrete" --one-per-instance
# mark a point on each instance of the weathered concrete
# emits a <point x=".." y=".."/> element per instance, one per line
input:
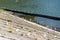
<point x="15" y="28"/>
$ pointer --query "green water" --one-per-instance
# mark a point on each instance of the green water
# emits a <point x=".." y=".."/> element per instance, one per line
<point x="21" y="5"/>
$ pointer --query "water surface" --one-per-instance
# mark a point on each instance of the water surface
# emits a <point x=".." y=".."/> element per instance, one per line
<point x="45" y="7"/>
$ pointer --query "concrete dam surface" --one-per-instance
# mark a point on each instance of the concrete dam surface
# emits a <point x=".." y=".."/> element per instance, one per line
<point x="16" y="28"/>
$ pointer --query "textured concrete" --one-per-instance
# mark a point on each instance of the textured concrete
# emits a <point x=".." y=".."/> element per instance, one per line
<point x="15" y="28"/>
